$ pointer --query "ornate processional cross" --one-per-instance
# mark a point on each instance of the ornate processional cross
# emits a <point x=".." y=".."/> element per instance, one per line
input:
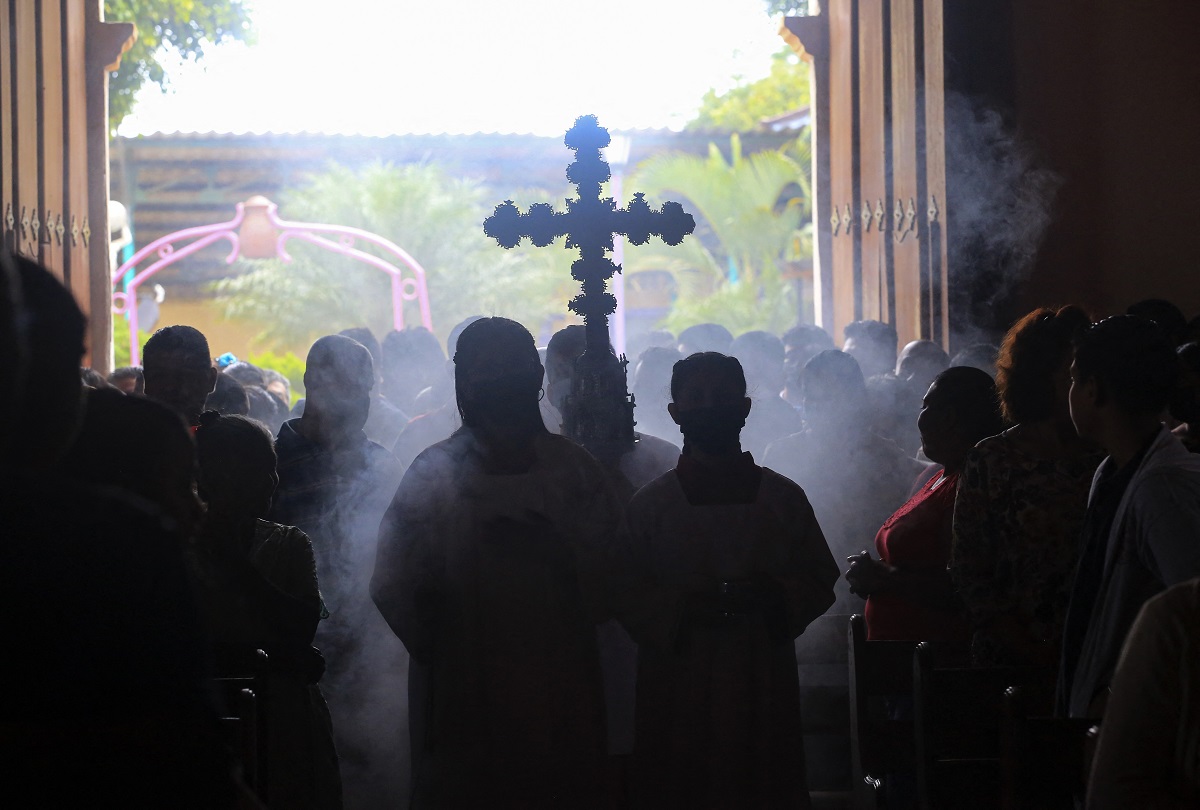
<point x="600" y="414"/>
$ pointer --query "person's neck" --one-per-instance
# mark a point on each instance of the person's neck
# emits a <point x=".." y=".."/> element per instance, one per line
<point x="707" y="459"/>
<point x="1125" y="438"/>
<point x="322" y="433"/>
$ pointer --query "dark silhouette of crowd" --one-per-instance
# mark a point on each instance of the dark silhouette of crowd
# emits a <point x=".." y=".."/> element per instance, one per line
<point x="429" y="596"/>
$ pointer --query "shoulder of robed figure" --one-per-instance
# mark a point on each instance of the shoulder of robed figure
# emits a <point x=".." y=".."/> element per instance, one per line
<point x="780" y="490"/>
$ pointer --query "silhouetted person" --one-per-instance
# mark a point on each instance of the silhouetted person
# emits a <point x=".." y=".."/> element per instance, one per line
<point x="801" y="344"/>
<point x="442" y="419"/>
<point x="909" y="592"/>
<point x="334" y="485"/>
<point x="649" y="457"/>
<point x="128" y="379"/>
<point x="228" y="397"/>
<point x="918" y="364"/>
<point x="385" y="420"/>
<point x="651" y="389"/>
<point x="108" y="704"/>
<point x="704" y="337"/>
<point x="726" y="567"/>
<point x="853" y="477"/>
<point x="1145" y="756"/>
<point x="1141" y="533"/>
<point x="492" y="569"/>
<point x="411" y="361"/>
<point x="873" y="345"/>
<point x="179" y="371"/>
<point x="258" y="590"/>
<point x="762" y="357"/>
<point x="1168" y="317"/>
<point x="1021" y="499"/>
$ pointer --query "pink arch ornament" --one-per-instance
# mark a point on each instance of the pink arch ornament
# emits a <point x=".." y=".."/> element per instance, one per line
<point x="257" y="232"/>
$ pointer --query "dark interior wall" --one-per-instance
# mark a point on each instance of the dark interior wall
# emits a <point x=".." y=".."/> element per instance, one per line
<point x="1110" y="94"/>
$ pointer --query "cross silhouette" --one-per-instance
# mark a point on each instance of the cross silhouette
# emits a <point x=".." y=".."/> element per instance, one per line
<point x="589" y="224"/>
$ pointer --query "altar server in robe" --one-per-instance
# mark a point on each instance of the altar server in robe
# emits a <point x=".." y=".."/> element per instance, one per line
<point x="492" y="569"/>
<point x="727" y="567"/>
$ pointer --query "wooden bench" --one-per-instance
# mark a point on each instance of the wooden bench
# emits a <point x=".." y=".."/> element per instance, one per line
<point x="824" y="709"/>
<point x="1044" y="759"/>
<point x="957" y="717"/>
<point x="881" y="725"/>
<point x="241" y="684"/>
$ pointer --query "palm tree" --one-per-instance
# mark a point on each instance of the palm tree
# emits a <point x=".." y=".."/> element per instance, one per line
<point x="752" y="215"/>
<point x="436" y="218"/>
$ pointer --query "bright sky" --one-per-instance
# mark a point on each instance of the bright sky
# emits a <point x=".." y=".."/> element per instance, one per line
<point x="380" y="67"/>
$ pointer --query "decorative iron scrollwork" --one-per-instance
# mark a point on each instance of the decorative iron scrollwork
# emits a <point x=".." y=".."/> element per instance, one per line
<point x="910" y="216"/>
<point x="866" y="216"/>
<point x="847" y="218"/>
<point x="898" y="215"/>
<point x="59" y="230"/>
<point x="879" y="215"/>
<point x="10" y="221"/>
<point x="35" y="225"/>
<point x="933" y="211"/>
<point x="87" y="232"/>
<point x="74" y="232"/>
<point x="48" y="228"/>
<point x="24" y="222"/>
<point x="835" y="220"/>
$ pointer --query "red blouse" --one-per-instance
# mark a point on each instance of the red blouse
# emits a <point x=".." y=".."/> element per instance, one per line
<point x="918" y="535"/>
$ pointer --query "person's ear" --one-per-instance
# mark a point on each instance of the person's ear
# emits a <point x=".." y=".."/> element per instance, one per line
<point x="212" y="378"/>
<point x="673" y="410"/>
<point x="747" y="404"/>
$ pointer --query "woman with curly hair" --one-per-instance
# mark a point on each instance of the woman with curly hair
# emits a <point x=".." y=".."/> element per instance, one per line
<point x="1021" y="500"/>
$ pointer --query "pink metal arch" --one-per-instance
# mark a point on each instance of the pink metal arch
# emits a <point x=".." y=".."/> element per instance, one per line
<point x="411" y="287"/>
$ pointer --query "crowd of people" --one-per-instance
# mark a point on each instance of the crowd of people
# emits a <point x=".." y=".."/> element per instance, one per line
<point x="458" y="606"/>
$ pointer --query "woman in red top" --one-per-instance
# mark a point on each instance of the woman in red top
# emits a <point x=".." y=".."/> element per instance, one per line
<point x="909" y="593"/>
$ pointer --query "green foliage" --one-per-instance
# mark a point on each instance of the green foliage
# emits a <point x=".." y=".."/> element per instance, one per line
<point x="121" y="340"/>
<point x="187" y="26"/>
<point x="741" y="109"/>
<point x="436" y="219"/>
<point x="792" y="8"/>
<point x="752" y="215"/>
<point x="287" y="364"/>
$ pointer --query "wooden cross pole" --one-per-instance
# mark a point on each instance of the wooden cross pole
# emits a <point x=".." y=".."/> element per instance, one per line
<point x="597" y="420"/>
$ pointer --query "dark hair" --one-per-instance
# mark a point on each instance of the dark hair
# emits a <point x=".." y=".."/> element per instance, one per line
<point x="508" y="348"/>
<point x="246" y="373"/>
<point x="876" y="332"/>
<point x="807" y="334"/>
<point x="1032" y="352"/>
<point x="1168" y="317"/>
<point x="338" y="353"/>
<point x="707" y="363"/>
<point x="230" y="438"/>
<point x="758" y="344"/>
<point x="835" y="364"/>
<point x="1133" y="361"/>
<point x="567" y="343"/>
<point x="972" y="396"/>
<point x="517" y="349"/>
<point x="706" y="337"/>
<point x="92" y="378"/>
<point x="367" y="338"/>
<point x="228" y="397"/>
<point x="127" y="373"/>
<point x="124" y="442"/>
<point x="186" y="341"/>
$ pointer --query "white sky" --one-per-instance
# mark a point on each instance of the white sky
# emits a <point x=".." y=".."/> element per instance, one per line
<point x="381" y="67"/>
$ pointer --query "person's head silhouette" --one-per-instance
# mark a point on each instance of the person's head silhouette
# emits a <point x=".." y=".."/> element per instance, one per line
<point x="338" y="379"/>
<point x="498" y="378"/>
<point x="179" y="371"/>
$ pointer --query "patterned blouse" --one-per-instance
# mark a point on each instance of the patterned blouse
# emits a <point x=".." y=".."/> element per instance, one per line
<point x="1017" y="520"/>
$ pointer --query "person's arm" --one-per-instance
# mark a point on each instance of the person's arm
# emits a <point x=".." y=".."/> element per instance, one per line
<point x="1167" y="523"/>
<point x="293" y="620"/>
<point x="930" y="587"/>
<point x="1134" y="765"/>
<point x="811" y="573"/>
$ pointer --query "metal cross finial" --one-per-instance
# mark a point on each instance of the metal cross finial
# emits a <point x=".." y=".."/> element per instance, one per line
<point x="599" y="412"/>
<point x="589" y="224"/>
